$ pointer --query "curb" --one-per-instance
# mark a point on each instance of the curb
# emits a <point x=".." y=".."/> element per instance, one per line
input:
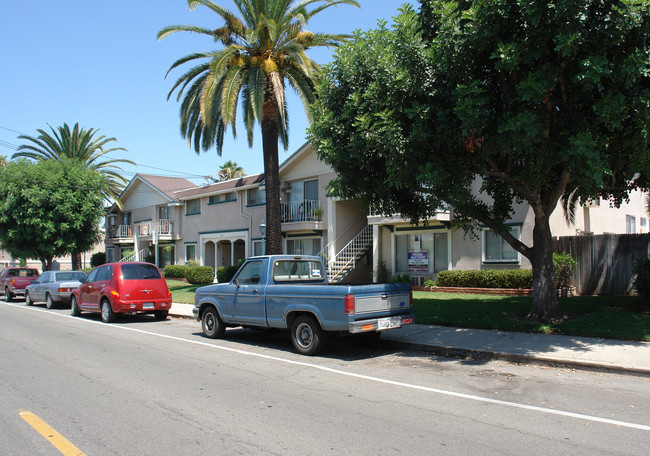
<point x="523" y="359"/>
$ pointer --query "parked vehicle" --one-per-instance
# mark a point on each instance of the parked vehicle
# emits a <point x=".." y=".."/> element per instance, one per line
<point x="122" y="288"/>
<point x="53" y="287"/>
<point x="291" y="292"/>
<point x="13" y="281"/>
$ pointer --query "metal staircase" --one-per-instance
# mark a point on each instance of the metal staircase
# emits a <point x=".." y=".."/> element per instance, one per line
<point x="348" y="257"/>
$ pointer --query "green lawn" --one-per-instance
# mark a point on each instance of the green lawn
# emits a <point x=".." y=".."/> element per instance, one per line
<point x="182" y="291"/>
<point x="612" y="317"/>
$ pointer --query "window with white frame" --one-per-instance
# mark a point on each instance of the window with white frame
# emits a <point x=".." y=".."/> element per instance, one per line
<point x="496" y="249"/>
<point x="190" y="252"/>
<point x="193" y="206"/>
<point x="163" y="212"/>
<point x="258" y="248"/>
<point x="110" y="254"/>
<point x="255" y="196"/>
<point x="630" y="224"/>
<point x="422" y="253"/>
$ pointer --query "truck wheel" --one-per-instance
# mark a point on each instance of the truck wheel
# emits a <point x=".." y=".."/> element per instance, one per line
<point x="211" y="324"/>
<point x="108" y="316"/>
<point x="28" y="299"/>
<point x="8" y="296"/>
<point x="307" y="335"/>
<point x="49" y="302"/>
<point x="74" y="308"/>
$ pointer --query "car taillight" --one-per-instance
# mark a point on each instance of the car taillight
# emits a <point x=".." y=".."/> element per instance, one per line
<point x="169" y="293"/>
<point x="13" y="282"/>
<point x="349" y="304"/>
<point x="115" y="293"/>
<point x="64" y="290"/>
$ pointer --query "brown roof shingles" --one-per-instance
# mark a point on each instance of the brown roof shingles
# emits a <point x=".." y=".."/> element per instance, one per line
<point x="219" y="186"/>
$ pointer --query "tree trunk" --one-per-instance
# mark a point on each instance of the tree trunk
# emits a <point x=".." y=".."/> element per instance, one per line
<point x="271" y="176"/>
<point x="76" y="261"/>
<point x="545" y="306"/>
<point x="46" y="263"/>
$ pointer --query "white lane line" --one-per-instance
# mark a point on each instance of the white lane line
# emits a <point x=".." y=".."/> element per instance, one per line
<point x="471" y="397"/>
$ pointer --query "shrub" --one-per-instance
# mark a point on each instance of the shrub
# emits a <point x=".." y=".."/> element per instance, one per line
<point x="174" y="271"/>
<point x="642" y="280"/>
<point x="383" y="274"/>
<point x="226" y="273"/>
<point x="487" y="278"/>
<point x="400" y="278"/>
<point x="563" y="266"/>
<point x="429" y="283"/>
<point x="97" y="259"/>
<point x="199" y="274"/>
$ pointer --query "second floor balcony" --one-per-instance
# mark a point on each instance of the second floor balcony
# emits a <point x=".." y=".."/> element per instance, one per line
<point x="120" y="233"/>
<point x="302" y="211"/>
<point x="163" y="227"/>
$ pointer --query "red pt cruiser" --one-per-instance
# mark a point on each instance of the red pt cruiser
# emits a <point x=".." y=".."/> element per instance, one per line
<point x="117" y="288"/>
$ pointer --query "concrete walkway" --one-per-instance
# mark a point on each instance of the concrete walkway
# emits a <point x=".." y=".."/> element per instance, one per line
<point x="580" y="352"/>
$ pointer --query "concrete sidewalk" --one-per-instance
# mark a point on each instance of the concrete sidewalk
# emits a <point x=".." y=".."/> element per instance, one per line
<point x="580" y="352"/>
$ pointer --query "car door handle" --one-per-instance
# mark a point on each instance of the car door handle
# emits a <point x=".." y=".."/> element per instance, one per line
<point x="255" y="290"/>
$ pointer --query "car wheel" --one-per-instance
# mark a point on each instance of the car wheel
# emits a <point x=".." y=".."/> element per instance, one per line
<point x="8" y="296"/>
<point x="211" y="324"/>
<point x="74" y="308"/>
<point x="49" y="302"/>
<point x="307" y="335"/>
<point x="161" y="314"/>
<point x="108" y="316"/>
<point x="28" y="299"/>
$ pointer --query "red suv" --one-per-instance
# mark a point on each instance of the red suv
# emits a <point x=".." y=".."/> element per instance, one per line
<point x="129" y="287"/>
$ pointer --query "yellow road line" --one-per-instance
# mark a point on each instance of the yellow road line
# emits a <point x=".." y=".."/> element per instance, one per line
<point x="61" y="443"/>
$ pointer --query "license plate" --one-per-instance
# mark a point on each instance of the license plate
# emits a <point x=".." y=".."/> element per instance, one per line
<point x="388" y="322"/>
<point x="147" y="306"/>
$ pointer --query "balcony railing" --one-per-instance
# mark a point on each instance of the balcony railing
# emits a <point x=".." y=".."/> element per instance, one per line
<point x="302" y="211"/>
<point x="163" y="226"/>
<point x="120" y="232"/>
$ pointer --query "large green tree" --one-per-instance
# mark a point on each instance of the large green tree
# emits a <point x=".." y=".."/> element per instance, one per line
<point x="485" y="104"/>
<point x="264" y="48"/>
<point x="84" y="147"/>
<point x="49" y="208"/>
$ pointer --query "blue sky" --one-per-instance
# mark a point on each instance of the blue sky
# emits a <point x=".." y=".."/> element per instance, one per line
<point x="99" y="63"/>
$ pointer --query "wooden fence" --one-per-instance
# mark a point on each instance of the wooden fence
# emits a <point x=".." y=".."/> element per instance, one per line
<point x="605" y="261"/>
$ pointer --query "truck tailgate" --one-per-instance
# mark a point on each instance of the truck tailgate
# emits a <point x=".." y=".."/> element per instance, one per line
<point x="383" y="303"/>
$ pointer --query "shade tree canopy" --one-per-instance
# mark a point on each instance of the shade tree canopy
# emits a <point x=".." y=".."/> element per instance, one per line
<point x="489" y="103"/>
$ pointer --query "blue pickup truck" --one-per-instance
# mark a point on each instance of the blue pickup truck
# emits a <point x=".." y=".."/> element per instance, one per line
<point x="292" y="292"/>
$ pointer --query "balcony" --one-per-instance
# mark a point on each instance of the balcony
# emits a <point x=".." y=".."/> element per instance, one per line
<point x="120" y="233"/>
<point x="302" y="211"/>
<point x="163" y="226"/>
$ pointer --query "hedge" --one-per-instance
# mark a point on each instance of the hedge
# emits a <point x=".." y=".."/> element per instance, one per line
<point x="174" y="271"/>
<point x="199" y="274"/>
<point x="487" y="278"/>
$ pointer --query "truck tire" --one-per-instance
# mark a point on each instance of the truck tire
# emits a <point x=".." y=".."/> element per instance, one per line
<point x="211" y="324"/>
<point x="307" y="336"/>
<point x="49" y="302"/>
<point x="8" y="296"/>
<point x="74" y="308"/>
<point x="108" y="316"/>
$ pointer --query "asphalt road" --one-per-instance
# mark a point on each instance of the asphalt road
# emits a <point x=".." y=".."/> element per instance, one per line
<point x="141" y="387"/>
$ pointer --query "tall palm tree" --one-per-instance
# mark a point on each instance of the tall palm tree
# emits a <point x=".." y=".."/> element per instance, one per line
<point x="230" y="170"/>
<point x="263" y="49"/>
<point x="80" y="145"/>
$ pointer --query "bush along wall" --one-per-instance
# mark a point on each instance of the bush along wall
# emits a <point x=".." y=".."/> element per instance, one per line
<point x="487" y="278"/>
<point x="175" y="271"/>
<point x="199" y="274"/>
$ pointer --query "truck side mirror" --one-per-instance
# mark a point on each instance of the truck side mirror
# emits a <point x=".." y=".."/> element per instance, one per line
<point x="237" y="282"/>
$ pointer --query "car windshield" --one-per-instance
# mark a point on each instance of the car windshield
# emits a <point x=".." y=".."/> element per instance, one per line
<point x="70" y="275"/>
<point x="140" y="271"/>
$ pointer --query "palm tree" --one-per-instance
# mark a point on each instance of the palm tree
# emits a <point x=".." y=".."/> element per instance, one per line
<point x="263" y="49"/>
<point x="80" y="145"/>
<point x="230" y="170"/>
<point x="3" y="161"/>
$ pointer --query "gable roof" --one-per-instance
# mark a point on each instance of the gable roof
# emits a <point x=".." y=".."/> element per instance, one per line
<point x="220" y="187"/>
<point x="166" y="185"/>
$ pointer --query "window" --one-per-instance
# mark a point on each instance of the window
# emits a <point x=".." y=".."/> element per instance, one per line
<point x="297" y="271"/>
<point x="193" y="206"/>
<point x="303" y="246"/>
<point x="422" y="253"/>
<point x="250" y="274"/>
<point x="256" y="196"/>
<point x="140" y="271"/>
<point x="223" y="198"/>
<point x="110" y="255"/>
<point x="125" y="218"/>
<point x="630" y="224"/>
<point x="163" y="213"/>
<point x="495" y="249"/>
<point x="190" y="252"/>
<point x="258" y="248"/>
